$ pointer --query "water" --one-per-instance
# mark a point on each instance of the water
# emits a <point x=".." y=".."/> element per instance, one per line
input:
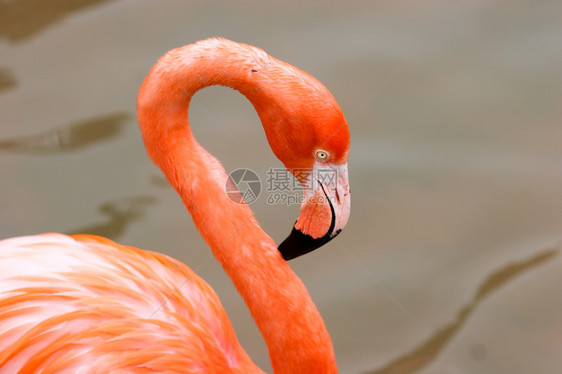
<point x="450" y="261"/>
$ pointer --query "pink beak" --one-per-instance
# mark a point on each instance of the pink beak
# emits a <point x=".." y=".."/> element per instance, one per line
<point x="324" y="212"/>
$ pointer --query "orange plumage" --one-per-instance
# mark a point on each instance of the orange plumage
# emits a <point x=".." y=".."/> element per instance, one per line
<point x="85" y="304"/>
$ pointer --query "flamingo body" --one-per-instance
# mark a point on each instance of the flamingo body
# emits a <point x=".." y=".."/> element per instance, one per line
<point x="85" y="304"/>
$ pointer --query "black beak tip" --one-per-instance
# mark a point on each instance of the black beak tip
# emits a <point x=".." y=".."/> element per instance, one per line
<point x="298" y="244"/>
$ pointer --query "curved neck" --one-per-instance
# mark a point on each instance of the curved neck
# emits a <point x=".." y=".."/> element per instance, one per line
<point x="294" y="331"/>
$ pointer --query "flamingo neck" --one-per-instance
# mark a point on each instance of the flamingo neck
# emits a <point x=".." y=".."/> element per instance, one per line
<point x="282" y="308"/>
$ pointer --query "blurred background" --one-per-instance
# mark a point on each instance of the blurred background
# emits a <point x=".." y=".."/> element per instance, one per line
<point x="450" y="261"/>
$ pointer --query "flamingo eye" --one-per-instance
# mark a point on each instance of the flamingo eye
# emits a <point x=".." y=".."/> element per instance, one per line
<point x="321" y="155"/>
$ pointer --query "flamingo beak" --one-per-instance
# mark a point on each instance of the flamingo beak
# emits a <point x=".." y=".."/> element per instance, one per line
<point x="324" y="212"/>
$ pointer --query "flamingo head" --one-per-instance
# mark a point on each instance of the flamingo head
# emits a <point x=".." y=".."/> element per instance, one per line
<point x="307" y="131"/>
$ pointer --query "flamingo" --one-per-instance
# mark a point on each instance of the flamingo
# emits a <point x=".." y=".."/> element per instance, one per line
<point x="85" y="304"/>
